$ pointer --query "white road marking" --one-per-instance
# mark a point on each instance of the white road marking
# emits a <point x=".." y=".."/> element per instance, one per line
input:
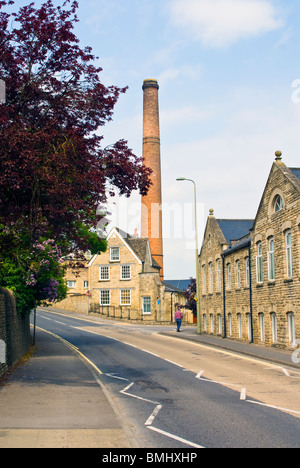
<point x="243" y="394"/>
<point x="149" y="352"/>
<point x="172" y="436"/>
<point x="175" y="363"/>
<point x="273" y="406"/>
<point x="124" y="392"/>
<point x="116" y="377"/>
<point x="153" y="415"/>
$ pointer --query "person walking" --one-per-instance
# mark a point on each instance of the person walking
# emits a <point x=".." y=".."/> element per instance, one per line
<point x="178" y="318"/>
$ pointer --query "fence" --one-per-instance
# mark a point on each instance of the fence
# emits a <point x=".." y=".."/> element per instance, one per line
<point x="126" y="313"/>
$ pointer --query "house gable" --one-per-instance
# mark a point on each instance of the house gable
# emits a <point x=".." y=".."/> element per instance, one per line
<point x="284" y="183"/>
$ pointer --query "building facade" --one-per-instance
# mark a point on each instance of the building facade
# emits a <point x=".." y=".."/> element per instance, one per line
<point x="249" y="269"/>
<point x="123" y="282"/>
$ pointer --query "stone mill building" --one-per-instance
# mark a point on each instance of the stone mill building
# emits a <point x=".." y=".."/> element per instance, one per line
<point x="250" y="268"/>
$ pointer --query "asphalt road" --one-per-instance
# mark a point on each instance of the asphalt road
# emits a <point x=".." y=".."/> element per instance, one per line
<point x="176" y="394"/>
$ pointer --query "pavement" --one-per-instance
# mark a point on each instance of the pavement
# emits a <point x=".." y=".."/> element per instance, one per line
<point x="43" y="403"/>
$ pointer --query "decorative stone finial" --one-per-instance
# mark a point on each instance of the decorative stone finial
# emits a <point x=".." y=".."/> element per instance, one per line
<point x="211" y="212"/>
<point x="278" y="155"/>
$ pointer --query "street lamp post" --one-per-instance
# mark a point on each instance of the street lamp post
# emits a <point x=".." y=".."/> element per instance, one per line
<point x="179" y="179"/>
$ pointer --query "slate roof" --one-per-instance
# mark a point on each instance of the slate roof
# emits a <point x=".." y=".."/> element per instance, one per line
<point x="234" y="229"/>
<point x="138" y="245"/>
<point x="295" y="171"/>
<point x="180" y="285"/>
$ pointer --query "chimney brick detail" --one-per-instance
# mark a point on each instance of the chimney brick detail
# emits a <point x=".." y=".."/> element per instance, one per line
<point x="151" y="225"/>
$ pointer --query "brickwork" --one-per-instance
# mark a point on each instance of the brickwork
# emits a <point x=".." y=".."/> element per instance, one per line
<point x="151" y="203"/>
<point x="14" y="332"/>
<point x="250" y="286"/>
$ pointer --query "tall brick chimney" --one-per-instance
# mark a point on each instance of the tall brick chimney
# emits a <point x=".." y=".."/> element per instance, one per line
<point x="151" y="226"/>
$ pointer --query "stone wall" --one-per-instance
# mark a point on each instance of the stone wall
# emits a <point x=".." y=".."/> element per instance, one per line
<point x="14" y="332"/>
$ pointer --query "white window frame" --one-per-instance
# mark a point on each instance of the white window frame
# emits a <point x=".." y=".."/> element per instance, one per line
<point x="146" y="304"/>
<point x="220" y="323"/>
<point x="289" y="253"/>
<point x="291" y="329"/>
<point x="259" y="264"/>
<point x="219" y="275"/>
<point x="230" y="323"/>
<point x="271" y="259"/>
<point x="211" y="278"/>
<point x="113" y="256"/>
<point x="104" y="276"/>
<point x="240" y="326"/>
<point x="71" y="284"/>
<point x="249" y="328"/>
<point x="229" y="276"/>
<point x="262" y="327"/>
<point x="247" y="267"/>
<point x="85" y="284"/>
<point x="278" y="203"/>
<point x="204" y="278"/>
<point x="123" y="293"/>
<point x="104" y="297"/>
<point x="205" y="322"/>
<point x="125" y="272"/>
<point x="238" y="274"/>
<point x="274" y="327"/>
<point x="212" y="323"/>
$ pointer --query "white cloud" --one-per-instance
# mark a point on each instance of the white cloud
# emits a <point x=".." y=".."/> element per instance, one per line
<point x="182" y="73"/>
<point x="220" y="23"/>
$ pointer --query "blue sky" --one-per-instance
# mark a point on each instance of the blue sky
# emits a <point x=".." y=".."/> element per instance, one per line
<point x="226" y="70"/>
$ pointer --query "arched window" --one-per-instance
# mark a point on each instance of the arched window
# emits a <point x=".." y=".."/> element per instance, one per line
<point x="278" y="203"/>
